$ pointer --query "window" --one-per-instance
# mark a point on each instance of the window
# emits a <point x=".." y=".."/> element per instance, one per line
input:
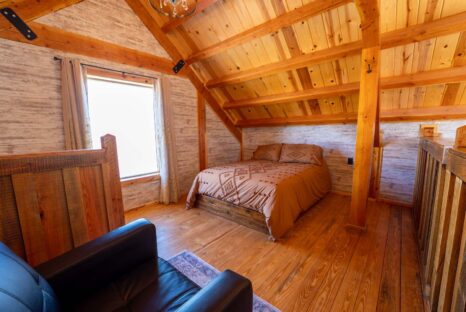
<point x="124" y="109"/>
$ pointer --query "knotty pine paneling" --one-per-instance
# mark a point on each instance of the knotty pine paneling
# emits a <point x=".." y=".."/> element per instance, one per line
<point x="30" y="105"/>
<point x="400" y="151"/>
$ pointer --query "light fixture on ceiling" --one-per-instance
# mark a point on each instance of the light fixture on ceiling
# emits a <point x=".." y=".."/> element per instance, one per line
<point x="174" y="8"/>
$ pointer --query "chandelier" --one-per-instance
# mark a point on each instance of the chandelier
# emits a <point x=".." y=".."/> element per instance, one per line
<point x="174" y="8"/>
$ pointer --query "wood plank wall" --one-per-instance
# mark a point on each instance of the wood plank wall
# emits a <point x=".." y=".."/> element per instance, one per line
<point x="30" y="109"/>
<point x="400" y="141"/>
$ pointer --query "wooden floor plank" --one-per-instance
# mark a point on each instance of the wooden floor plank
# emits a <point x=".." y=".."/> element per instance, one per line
<point x="317" y="266"/>
<point x="411" y="300"/>
<point x="389" y="297"/>
<point x="362" y="257"/>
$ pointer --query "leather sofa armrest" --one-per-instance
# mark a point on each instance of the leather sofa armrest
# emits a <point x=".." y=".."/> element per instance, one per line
<point x="99" y="261"/>
<point x="228" y="292"/>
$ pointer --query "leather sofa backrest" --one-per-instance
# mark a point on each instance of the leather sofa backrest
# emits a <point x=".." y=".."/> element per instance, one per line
<point x="21" y="287"/>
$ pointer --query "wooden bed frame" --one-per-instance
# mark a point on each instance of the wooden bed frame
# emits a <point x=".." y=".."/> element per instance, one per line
<point x="53" y="202"/>
<point x="247" y="217"/>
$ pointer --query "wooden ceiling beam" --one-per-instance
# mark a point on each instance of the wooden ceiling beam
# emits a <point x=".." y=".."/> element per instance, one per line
<point x="141" y="9"/>
<point x="30" y="10"/>
<point x="61" y="40"/>
<point x="288" y="64"/>
<point x="287" y="19"/>
<point x="405" y="114"/>
<point x="416" y="33"/>
<point x="439" y="76"/>
<point x="176" y="22"/>
<point x="316" y="93"/>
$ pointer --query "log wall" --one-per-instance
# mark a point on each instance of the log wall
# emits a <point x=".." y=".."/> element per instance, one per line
<point x="400" y="140"/>
<point x="30" y="106"/>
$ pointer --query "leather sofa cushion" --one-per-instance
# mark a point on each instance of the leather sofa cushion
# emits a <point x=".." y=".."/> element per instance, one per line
<point x="154" y="285"/>
<point x="22" y="288"/>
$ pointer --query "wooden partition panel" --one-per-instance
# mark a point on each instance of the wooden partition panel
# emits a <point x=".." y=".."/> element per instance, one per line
<point x="53" y="202"/>
<point x="440" y="214"/>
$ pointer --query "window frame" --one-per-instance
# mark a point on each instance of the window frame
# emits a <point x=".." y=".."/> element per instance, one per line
<point x="110" y="75"/>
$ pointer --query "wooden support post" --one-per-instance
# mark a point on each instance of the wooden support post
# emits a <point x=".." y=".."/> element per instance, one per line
<point x="367" y="112"/>
<point x="201" y="119"/>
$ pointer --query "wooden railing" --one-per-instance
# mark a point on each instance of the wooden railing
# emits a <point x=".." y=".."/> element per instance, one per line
<point x="439" y="211"/>
<point x="53" y="202"/>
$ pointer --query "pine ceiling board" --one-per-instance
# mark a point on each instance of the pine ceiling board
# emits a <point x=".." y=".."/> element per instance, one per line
<point x="292" y="109"/>
<point x="444" y="51"/>
<point x="453" y="89"/>
<point x="386" y="99"/>
<point x="461" y="97"/>
<point x="403" y="96"/>
<point x="276" y="111"/>
<point x="433" y="96"/>
<point x="451" y="7"/>
<point x="387" y="12"/>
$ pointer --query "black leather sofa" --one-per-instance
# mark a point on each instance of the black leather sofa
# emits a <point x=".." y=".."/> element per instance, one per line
<point x="119" y="271"/>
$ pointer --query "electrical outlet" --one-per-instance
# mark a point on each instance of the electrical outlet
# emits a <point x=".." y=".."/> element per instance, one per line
<point x="350" y="161"/>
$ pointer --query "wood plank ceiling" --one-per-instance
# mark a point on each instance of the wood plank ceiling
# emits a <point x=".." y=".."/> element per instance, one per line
<point x="271" y="62"/>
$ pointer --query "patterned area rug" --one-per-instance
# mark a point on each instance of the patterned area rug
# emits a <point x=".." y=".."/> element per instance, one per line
<point x="201" y="273"/>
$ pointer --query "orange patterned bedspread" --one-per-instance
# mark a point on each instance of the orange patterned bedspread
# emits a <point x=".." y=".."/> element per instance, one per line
<point x="280" y="191"/>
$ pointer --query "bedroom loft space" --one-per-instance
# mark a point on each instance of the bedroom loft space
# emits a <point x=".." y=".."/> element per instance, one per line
<point x="163" y="155"/>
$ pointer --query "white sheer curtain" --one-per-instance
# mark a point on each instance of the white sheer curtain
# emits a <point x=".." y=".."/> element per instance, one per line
<point x="169" y="192"/>
<point x="75" y="107"/>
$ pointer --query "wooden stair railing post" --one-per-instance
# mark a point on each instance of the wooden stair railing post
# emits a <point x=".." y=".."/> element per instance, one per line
<point x="112" y="184"/>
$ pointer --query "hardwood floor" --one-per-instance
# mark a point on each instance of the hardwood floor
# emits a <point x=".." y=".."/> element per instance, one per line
<point x="317" y="266"/>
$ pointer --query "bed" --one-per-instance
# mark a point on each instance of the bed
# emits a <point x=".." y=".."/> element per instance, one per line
<point x="263" y="194"/>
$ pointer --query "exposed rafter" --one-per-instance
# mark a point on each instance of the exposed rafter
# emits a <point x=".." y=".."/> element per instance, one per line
<point x="142" y="10"/>
<point x="416" y="33"/>
<point x="176" y="22"/>
<point x="294" y="16"/>
<point x="407" y="114"/>
<point x="445" y="75"/>
<point x="316" y="93"/>
<point x="58" y="39"/>
<point x="30" y="10"/>
<point x="301" y="61"/>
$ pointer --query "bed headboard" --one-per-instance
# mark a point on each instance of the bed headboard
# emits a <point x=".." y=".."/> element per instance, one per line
<point x="53" y="202"/>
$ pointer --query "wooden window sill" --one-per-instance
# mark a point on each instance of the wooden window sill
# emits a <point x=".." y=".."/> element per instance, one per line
<point x="139" y="180"/>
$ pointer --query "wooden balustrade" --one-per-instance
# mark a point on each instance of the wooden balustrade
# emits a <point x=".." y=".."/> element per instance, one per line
<point x="439" y="209"/>
<point x="53" y="202"/>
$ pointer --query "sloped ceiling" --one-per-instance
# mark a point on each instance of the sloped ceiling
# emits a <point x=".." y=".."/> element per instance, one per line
<point x="333" y="28"/>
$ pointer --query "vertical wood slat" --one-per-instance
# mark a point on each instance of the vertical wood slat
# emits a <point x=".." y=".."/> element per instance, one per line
<point x="76" y="207"/>
<point x="93" y="195"/>
<point x="419" y="183"/>
<point x="435" y="228"/>
<point x="453" y="246"/>
<point x="425" y="235"/>
<point x="459" y="289"/>
<point x="10" y="228"/>
<point x="439" y="255"/>
<point x="43" y="215"/>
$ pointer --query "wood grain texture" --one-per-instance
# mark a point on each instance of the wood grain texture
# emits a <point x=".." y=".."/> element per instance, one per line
<point x="317" y="266"/>
<point x="365" y="131"/>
